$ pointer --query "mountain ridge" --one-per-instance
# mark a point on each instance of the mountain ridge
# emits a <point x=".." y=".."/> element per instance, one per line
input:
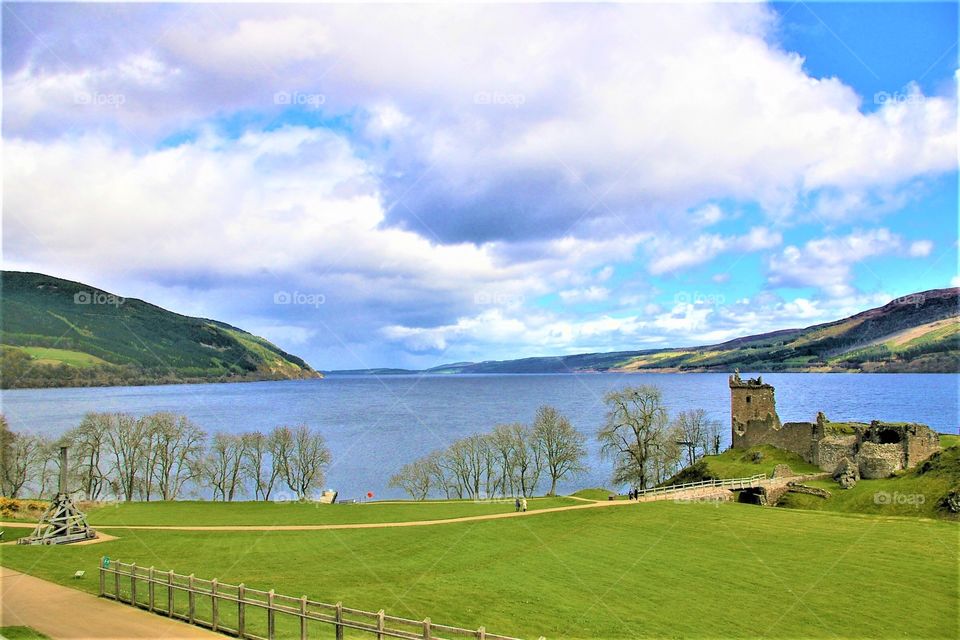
<point x="58" y="332"/>
<point x="921" y="329"/>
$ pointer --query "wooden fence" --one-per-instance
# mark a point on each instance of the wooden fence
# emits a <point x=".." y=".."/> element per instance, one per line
<point x="730" y="483"/>
<point x="230" y="609"/>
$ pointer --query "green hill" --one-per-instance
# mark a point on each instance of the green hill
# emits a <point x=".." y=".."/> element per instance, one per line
<point x="918" y="333"/>
<point x="58" y="333"/>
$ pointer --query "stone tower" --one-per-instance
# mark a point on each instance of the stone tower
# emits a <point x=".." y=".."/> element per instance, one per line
<point x="753" y="410"/>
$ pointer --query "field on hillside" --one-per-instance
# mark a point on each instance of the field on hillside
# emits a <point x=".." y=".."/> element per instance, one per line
<point x="633" y="570"/>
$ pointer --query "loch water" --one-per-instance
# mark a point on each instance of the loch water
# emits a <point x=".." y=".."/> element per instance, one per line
<point x="374" y="425"/>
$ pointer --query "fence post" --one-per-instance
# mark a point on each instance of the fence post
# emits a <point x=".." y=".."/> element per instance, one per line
<point x="271" y="622"/>
<point x="192" y="600"/>
<point x="426" y="629"/>
<point x="170" y="593"/>
<point x="303" y="618"/>
<point x="150" y="590"/>
<point x="482" y="633"/>
<point x="133" y="584"/>
<point x="241" y="597"/>
<point x="103" y="576"/>
<point x="116" y="580"/>
<point x="339" y="621"/>
<point x="214" y="605"/>
<point x="380" y="624"/>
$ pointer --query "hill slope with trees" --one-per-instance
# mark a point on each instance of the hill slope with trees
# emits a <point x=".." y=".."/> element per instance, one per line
<point x="59" y="333"/>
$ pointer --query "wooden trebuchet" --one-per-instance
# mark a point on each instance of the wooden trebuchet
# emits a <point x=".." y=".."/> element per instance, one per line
<point x="62" y="522"/>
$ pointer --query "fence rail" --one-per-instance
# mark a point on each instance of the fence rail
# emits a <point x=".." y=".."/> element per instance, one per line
<point x="126" y="582"/>
<point x="731" y="483"/>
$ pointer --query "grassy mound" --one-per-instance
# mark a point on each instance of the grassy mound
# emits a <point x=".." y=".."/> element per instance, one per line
<point x="639" y="570"/>
<point x="742" y="463"/>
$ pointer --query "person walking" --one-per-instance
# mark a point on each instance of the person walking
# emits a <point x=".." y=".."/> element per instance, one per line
<point x="516" y="504"/>
<point x="523" y="504"/>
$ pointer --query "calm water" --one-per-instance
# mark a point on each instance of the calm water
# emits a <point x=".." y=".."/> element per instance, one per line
<point x="373" y="426"/>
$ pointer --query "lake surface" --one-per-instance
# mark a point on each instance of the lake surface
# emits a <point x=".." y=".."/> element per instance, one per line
<point x="375" y="425"/>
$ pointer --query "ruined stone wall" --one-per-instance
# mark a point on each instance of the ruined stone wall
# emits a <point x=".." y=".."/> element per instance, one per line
<point x="831" y="450"/>
<point x="921" y="443"/>
<point x="879" y="460"/>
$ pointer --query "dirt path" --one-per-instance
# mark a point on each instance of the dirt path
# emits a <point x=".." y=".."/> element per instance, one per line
<point x="706" y="493"/>
<point x="68" y="614"/>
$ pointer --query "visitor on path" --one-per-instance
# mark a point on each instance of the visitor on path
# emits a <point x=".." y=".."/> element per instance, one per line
<point x="517" y="504"/>
<point x="523" y="504"/>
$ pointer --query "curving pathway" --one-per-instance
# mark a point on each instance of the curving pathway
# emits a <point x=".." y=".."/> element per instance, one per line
<point x="700" y="493"/>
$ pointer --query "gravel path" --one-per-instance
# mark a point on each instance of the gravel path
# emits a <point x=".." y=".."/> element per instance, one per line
<point x="68" y="614"/>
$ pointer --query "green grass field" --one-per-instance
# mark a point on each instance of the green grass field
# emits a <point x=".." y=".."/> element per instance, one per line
<point x="45" y="355"/>
<point x="278" y="513"/>
<point x="641" y="570"/>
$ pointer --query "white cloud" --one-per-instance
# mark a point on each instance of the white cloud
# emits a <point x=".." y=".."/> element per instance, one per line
<point x="920" y="248"/>
<point x="676" y="254"/>
<point x="725" y="112"/>
<point x="827" y="263"/>
<point x="590" y="294"/>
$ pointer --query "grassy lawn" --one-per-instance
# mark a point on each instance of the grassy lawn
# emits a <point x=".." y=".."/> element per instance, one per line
<point x="281" y="513"/>
<point x="21" y="633"/>
<point x="739" y="463"/>
<point x="644" y="570"/>
<point x="12" y="533"/>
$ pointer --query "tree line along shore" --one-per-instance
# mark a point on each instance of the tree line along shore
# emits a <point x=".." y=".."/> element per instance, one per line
<point x="164" y="456"/>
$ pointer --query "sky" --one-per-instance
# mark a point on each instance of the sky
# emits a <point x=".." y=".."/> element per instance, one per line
<point x="410" y="185"/>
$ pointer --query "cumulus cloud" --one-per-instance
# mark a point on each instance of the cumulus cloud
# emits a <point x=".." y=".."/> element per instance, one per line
<point x="508" y="142"/>
<point x="827" y="263"/>
<point x="676" y="254"/>
<point x="434" y="172"/>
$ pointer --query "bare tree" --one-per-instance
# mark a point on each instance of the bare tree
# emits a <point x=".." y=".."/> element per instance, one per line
<point x="442" y="476"/>
<point x="223" y="466"/>
<point x="22" y="453"/>
<point x="305" y="461"/>
<point x="528" y="459"/>
<point x="691" y="432"/>
<point x="633" y="432"/>
<point x="562" y="445"/>
<point x="712" y="429"/>
<point x="415" y="478"/>
<point x="88" y="442"/>
<point x="47" y="463"/>
<point x="127" y="437"/>
<point x="503" y="446"/>
<point x="177" y="449"/>
<point x="265" y="457"/>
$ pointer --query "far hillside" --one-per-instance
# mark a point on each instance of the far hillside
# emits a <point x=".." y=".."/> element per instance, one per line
<point x="59" y="333"/>
<point x="918" y="333"/>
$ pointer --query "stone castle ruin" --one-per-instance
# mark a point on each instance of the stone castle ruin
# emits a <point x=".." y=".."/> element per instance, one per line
<point x="874" y="450"/>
